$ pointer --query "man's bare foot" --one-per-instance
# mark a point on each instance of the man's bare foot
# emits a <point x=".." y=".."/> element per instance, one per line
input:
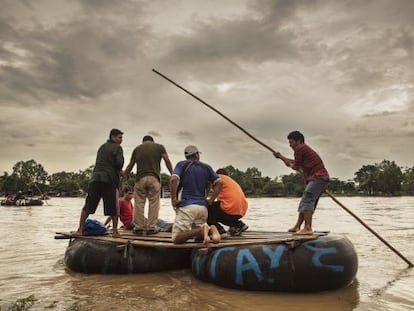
<point x="215" y="235"/>
<point x="294" y="229"/>
<point x="206" y="229"/>
<point x="78" y="232"/>
<point x="115" y="234"/>
<point x="304" y="232"/>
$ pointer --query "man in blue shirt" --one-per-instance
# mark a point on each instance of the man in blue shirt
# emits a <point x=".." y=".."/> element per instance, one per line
<point x="189" y="183"/>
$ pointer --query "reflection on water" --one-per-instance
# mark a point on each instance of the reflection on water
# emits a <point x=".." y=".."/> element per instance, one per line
<point x="31" y="262"/>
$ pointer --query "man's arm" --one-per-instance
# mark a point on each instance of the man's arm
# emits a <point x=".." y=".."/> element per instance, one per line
<point x="288" y="162"/>
<point x="173" y="189"/>
<point x="119" y="158"/>
<point x="216" y="190"/>
<point x="128" y="170"/>
<point x="167" y="162"/>
<point x="129" y="167"/>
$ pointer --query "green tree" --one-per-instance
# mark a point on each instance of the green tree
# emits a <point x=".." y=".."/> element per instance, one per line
<point x="3" y="178"/>
<point x="389" y="177"/>
<point x="236" y="174"/>
<point x="253" y="178"/>
<point x="293" y="184"/>
<point x="30" y="175"/>
<point x="408" y="181"/>
<point x="84" y="177"/>
<point x="273" y="188"/>
<point x="10" y="183"/>
<point x="64" y="182"/>
<point x="367" y="179"/>
<point x="339" y="186"/>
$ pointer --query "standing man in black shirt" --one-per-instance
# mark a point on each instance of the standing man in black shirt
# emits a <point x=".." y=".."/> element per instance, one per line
<point x="105" y="181"/>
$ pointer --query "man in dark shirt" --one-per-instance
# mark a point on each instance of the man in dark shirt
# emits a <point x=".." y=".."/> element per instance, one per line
<point x="105" y="181"/>
<point x="308" y="162"/>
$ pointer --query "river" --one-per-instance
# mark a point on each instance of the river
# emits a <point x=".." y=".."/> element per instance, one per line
<point x="31" y="261"/>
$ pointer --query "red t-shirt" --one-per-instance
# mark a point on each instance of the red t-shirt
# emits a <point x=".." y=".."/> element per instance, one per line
<point x="310" y="162"/>
<point x="126" y="210"/>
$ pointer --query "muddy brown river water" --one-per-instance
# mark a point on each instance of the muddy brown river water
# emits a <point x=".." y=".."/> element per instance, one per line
<point x="31" y="262"/>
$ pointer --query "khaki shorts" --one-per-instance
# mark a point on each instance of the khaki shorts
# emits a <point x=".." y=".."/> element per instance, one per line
<point x="189" y="217"/>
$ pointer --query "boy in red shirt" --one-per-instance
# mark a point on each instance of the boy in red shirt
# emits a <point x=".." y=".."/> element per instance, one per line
<point x="308" y="162"/>
<point x="126" y="210"/>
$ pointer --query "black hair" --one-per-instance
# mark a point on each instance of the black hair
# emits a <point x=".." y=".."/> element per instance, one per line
<point x="221" y="171"/>
<point x="297" y="136"/>
<point x="147" y="138"/>
<point x="115" y="132"/>
<point x="128" y="189"/>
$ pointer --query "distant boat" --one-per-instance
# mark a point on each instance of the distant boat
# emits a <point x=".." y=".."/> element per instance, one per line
<point x="44" y="197"/>
<point x="21" y="202"/>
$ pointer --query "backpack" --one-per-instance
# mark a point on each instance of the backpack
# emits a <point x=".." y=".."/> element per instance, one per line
<point x="94" y="227"/>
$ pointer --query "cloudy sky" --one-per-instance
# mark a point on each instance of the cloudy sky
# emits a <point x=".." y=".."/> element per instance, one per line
<point x="342" y="72"/>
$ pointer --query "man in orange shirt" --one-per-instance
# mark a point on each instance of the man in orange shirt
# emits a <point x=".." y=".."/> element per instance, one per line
<point x="231" y="205"/>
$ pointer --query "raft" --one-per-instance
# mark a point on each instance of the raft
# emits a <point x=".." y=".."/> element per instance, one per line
<point x="322" y="263"/>
<point x="257" y="260"/>
<point x="22" y="202"/>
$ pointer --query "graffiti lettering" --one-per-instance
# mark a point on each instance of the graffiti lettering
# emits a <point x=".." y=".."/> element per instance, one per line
<point x="251" y="264"/>
<point x="214" y="259"/>
<point x="319" y="252"/>
<point x="252" y="259"/>
<point x="274" y="255"/>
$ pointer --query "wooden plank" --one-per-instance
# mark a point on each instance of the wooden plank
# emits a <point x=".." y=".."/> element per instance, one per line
<point x="163" y="239"/>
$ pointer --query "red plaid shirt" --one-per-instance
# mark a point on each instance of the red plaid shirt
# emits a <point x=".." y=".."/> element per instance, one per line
<point x="310" y="162"/>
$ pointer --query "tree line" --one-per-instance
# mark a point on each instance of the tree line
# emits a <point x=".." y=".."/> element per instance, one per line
<point x="384" y="178"/>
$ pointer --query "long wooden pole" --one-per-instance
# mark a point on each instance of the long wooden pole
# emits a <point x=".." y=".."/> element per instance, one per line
<point x="270" y="149"/>
<point x="215" y="110"/>
<point x="410" y="264"/>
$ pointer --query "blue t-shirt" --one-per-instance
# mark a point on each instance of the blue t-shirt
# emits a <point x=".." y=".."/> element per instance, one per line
<point x="194" y="181"/>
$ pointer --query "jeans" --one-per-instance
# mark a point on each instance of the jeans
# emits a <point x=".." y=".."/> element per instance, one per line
<point x="311" y="194"/>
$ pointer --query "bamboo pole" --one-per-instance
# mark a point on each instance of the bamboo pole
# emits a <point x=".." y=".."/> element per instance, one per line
<point x="270" y="149"/>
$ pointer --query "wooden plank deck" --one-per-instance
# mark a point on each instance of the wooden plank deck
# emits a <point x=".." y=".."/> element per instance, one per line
<point x="163" y="239"/>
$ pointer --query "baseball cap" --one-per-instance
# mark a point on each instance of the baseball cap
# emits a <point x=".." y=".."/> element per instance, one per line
<point x="190" y="150"/>
<point x="115" y="132"/>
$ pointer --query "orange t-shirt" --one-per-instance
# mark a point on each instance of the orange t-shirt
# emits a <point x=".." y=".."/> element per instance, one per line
<point x="231" y="196"/>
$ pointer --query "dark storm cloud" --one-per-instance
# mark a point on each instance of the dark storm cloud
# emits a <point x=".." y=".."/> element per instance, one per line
<point x="214" y="44"/>
<point x="82" y="57"/>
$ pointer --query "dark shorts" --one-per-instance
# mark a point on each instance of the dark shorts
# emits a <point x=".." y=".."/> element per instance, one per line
<point x="311" y="194"/>
<point x="107" y="192"/>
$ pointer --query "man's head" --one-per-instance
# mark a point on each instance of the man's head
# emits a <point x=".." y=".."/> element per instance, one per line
<point x="221" y="171"/>
<point x="191" y="152"/>
<point x="147" y="138"/>
<point x="116" y="136"/>
<point x="128" y="194"/>
<point x="295" y="138"/>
